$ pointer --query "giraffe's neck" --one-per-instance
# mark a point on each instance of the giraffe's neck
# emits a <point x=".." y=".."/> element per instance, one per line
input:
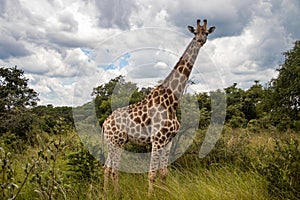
<point x="177" y="79"/>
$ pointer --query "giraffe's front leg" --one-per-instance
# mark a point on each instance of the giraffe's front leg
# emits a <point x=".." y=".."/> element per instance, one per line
<point x="107" y="171"/>
<point x="111" y="166"/>
<point x="164" y="159"/>
<point x="154" y="162"/>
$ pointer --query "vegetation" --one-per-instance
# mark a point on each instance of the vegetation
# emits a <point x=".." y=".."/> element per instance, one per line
<point x="256" y="157"/>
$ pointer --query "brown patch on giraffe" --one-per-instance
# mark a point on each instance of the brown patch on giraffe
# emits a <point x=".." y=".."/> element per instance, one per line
<point x="158" y="134"/>
<point x="148" y="121"/>
<point x="163" y="105"/>
<point x="150" y="103"/>
<point x="180" y="69"/>
<point x="157" y="100"/>
<point x="155" y="94"/>
<point x="186" y="72"/>
<point x="182" y="62"/>
<point x="144" y="117"/>
<point x="162" y="139"/>
<point x="168" y="124"/>
<point x="145" y="109"/>
<point x="171" y="99"/>
<point x="137" y="120"/>
<point x="175" y="104"/>
<point x="189" y="65"/>
<point x="168" y="135"/>
<point x="131" y="115"/>
<point x="168" y="91"/>
<point x="164" y="130"/>
<point x="167" y="102"/>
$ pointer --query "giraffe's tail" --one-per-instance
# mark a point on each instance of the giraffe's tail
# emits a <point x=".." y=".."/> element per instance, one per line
<point x="102" y="155"/>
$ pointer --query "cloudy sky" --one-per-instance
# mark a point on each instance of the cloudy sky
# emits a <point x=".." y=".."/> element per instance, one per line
<point x="68" y="47"/>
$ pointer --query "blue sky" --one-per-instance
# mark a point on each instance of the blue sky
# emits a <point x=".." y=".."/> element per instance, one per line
<point x="68" y="47"/>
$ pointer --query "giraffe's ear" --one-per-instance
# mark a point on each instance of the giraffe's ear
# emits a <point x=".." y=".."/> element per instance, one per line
<point x="191" y="29"/>
<point x="211" y="30"/>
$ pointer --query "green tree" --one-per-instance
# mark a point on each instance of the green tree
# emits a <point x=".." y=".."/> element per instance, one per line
<point x="285" y="91"/>
<point x="15" y="99"/>
<point x="49" y="117"/>
<point x="252" y="98"/>
<point x="204" y="102"/>
<point x="234" y="112"/>
<point x="115" y="94"/>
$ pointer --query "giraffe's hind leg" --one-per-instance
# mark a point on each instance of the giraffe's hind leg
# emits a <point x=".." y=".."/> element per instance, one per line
<point x="164" y="159"/>
<point x="154" y="164"/>
<point x="107" y="171"/>
<point x="112" y="166"/>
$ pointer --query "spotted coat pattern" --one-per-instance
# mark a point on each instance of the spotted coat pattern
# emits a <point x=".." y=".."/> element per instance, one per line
<point x="152" y="120"/>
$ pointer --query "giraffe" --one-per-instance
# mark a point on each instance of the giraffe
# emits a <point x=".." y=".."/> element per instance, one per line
<point x="152" y="120"/>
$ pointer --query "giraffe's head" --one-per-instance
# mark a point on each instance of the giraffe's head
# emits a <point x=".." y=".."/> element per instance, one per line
<point x="201" y="32"/>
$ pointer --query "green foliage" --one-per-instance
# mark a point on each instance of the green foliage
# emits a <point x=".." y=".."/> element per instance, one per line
<point x="277" y="162"/>
<point x="15" y="92"/>
<point x="49" y="117"/>
<point x="9" y="188"/>
<point x="205" y="109"/>
<point x="82" y="166"/>
<point x="8" y="185"/>
<point x="281" y="167"/>
<point x="15" y="98"/>
<point x="285" y="91"/>
<point x="55" y="174"/>
<point x="112" y="95"/>
<point x="47" y="177"/>
<point x="115" y="94"/>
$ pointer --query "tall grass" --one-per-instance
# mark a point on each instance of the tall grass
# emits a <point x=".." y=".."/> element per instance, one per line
<point x="243" y="165"/>
<point x="219" y="183"/>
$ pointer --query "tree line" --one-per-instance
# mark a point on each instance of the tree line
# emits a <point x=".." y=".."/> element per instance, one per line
<point x="275" y="104"/>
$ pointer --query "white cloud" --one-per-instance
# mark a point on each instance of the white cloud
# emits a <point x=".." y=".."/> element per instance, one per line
<point x="62" y="45"/>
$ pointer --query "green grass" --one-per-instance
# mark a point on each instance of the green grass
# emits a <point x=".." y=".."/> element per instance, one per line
<point x="220" y="183"/>
<point x="224" y="175"/>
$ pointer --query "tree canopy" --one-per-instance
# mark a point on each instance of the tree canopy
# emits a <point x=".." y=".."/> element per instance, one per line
<point x="15" y="98"/>
<point x="15" y="92"/>
<point x="285" y="90"/>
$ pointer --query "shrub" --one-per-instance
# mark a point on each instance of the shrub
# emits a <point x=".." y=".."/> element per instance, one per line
<point x="82" y="165"/>
<point x="281" y="167"/>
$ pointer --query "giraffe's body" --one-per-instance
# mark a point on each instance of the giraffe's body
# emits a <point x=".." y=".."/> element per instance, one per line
<point x="152" y="120"/>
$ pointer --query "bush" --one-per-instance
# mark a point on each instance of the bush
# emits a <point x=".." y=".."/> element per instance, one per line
<point x="230" y="150"/>
<point x="281" y="167"/>
<point x="83" y="166"/>
<point x="237" y="122"/>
